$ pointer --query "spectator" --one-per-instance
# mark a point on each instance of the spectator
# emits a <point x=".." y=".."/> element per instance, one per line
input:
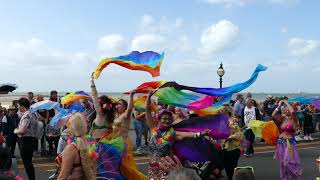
<point x="31" y="98"/>
<point x="249" y="113"/>
<point x="53" y="97"/>
<point x="268" y="107"/>
<point x="249" y="95"/>
<point x="140" y="127"/>
<point x="180" y="115"/>
<point x="27" y="132"/>
<point x="238" y="106"/>
<point x="10" y="123"/>
<point x="307" y="126"/>
<point x="52" y="137"/>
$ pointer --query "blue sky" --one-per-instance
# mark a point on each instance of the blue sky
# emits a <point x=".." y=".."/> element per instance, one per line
<point x="48" y="45"/>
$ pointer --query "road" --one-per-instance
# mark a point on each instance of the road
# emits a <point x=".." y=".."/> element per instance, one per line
<point x="265" y="167"/>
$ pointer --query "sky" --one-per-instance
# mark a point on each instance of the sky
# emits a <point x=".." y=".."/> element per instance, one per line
<point x="46" y="45"/>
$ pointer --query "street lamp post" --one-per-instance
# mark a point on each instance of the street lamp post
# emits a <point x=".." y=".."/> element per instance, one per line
<point x="220" y="73"/>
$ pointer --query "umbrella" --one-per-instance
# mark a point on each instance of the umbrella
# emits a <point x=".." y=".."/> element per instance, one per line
<point x="6" y="88"/>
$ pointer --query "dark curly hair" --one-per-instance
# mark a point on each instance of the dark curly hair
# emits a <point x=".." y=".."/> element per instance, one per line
<point x="24" y="102"/>
<point x="108" y="108"/>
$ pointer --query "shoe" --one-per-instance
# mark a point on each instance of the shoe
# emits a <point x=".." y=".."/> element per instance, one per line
<point x="250" y="155"/>
<point x="54" y="176"/>
<point x="138" y="151"/>
<point x="310" y="138"/>
<point x="246" y="155"/>
<point x="306" y="138"/>
<point x="298" y="138"/>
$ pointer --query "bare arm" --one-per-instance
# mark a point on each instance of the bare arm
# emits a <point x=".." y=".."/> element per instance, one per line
<point x="125" y="119"/>
<point x="68" y="158"/>
<point x="184" y="135"/>
<point x="148" y="114"/>
<point x="99" y="119"/>
<point x="289" y="106"/>
<point x="130" y="106"/>
<point x="140" y="116"/>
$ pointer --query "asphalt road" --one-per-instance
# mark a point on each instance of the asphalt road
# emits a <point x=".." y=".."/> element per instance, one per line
<point x="265" y="167"/>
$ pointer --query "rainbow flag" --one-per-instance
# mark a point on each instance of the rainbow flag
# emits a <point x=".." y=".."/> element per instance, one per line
<point x="140" y="104"/>
<point x="145" y="87"/>
<point x="72" y="97"/>
<point x="148" y="61"/>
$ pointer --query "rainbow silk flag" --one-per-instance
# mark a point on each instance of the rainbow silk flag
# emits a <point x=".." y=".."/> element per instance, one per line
<point x="148" y="61"/>
<point x="140" y="104"/>
<point x="78" y="95"/>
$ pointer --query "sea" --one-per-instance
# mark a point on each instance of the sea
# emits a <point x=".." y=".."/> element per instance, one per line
<point x="7" y="99"/>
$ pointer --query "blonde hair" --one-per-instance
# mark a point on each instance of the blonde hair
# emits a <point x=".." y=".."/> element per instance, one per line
<point x="78" y="127"/>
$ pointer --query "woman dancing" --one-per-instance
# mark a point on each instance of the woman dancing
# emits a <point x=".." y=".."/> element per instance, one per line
<point x="231" y="146"/>
<point x="110" y="129"/>
<point x="162" y="138"/>
<point x="286" y="152"/>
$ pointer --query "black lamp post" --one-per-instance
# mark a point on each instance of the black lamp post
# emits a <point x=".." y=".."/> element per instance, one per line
<point x="220" y="73"/>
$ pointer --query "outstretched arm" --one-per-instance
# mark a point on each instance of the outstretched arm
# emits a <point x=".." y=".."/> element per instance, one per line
<point x="149" y="117"/>
<point x="130" y="106"/>
<point x="291" y="110"/>
<point x="184" y="135"/>
<point x="99" y="120"/>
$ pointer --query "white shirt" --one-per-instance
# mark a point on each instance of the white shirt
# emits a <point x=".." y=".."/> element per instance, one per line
<point x="249" y="114"/>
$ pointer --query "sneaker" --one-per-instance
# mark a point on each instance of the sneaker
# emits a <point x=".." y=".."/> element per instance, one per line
<point x="250" y="155"/>
<point x="54" y="176"/>
<point x="138" y="151"/>
<point x="310" y="138"/>
<point x="298" y="138"/>
<point x="306" y="138"/>
<point x="246" y="155"/>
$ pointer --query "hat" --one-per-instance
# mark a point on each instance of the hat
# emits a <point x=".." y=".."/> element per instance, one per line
<point x="269" y="96"/>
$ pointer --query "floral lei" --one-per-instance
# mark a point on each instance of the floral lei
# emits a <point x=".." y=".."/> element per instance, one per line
<point x="165" y="137"/>
<point x="91" y="144"/>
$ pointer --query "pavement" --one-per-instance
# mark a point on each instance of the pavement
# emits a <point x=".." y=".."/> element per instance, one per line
<point x="265" y="166"/>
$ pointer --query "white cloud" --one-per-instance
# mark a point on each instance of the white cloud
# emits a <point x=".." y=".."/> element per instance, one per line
<point x="33" y="52"/>
<point x="229" y="3"/>
<point x="146" y="42"/>
<point x="35" y="66"/>
<point x="302" y="47"/>
<point x="219" y="37"/>
<point x="284" y="2"/>
<point x="112" y="43"/>
<point x="148" y="24"/>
